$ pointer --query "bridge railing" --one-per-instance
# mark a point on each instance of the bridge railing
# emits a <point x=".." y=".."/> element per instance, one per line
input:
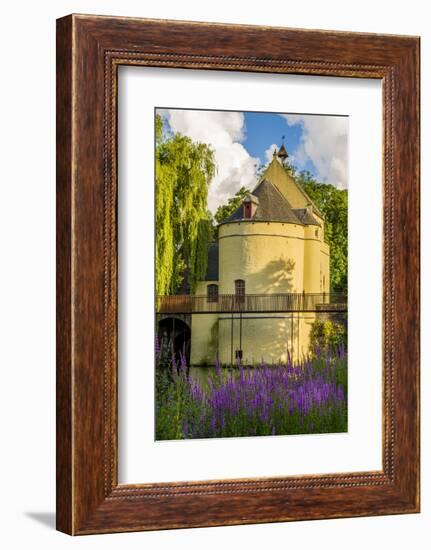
<point x="252" y="303"/>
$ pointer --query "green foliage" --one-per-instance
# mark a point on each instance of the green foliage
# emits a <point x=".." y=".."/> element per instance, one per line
<point x="332" y="202"/>
<point x="184" y="170"/>
<point x="172" y="403"/>
<point x="226" y="210"/>
<point x="159" y="129"/>
<point x="327" y="336"/>
<point x="200" y="256"/>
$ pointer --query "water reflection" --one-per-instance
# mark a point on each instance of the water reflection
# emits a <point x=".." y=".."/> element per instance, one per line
<point x="200" y="374"/>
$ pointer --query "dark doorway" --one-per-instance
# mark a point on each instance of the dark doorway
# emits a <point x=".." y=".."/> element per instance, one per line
<point x="175" y="338"/>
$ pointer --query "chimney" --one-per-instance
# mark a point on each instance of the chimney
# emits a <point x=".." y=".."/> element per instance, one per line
<point x="249" y="207"/>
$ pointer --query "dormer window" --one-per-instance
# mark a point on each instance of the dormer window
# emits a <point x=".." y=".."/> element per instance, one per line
<point x="249" y="207"/>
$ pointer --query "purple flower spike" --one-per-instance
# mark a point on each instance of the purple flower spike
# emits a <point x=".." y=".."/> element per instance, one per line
<point x="186" y="430"/>
<point x="275" y="399"/>
<point x="183" y="362"/>
<point x="217" y="367"/>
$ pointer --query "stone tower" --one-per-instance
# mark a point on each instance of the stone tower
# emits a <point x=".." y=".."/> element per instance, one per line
<point x="273" y="244"/>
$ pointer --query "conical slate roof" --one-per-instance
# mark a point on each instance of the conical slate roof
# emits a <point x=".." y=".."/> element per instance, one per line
<point x="272" y="206"/>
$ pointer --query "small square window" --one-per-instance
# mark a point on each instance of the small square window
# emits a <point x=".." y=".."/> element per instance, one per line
<point x="240" y="290"/>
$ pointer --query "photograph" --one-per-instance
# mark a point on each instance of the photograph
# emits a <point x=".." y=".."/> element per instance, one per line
<point x="251" y="273"/>
<point x="213" y="318"/>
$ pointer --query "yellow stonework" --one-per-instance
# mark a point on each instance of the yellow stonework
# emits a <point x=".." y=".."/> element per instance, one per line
<point x="271" y="257"/>
<point x="205" y="333"/>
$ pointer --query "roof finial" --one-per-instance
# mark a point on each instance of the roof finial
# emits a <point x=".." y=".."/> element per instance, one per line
<point x="282" y="153"/>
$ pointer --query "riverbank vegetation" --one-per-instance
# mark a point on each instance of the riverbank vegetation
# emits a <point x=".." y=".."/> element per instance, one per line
<point x="304" y="398"/>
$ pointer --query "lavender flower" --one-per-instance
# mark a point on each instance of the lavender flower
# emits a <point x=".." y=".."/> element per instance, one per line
<point x="268" y="399"/>
<point x="186" y="430"/>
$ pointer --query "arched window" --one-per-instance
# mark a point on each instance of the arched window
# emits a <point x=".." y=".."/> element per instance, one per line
<point x="212" y="293"/>
<point x="240" y="290"/>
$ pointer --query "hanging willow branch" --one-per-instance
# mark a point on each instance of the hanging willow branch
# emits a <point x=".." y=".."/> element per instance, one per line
<point x="184" y="170"/>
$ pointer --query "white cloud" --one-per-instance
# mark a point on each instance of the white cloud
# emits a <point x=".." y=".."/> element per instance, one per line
<point x="324" y="142"/>
<point x="269" y="153"/>
<point x="223" y="131"/>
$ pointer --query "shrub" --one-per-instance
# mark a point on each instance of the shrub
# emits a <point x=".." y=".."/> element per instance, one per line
<point x="327" y="336"/>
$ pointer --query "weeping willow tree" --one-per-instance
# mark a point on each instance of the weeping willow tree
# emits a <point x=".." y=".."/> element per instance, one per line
<point x="184" y="170"/>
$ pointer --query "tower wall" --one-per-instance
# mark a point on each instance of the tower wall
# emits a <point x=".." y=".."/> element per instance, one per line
<point x="324" y="262"/>
<point x="205" y="333"/>
<point x="312" y="259"/>
<point x="268" y="338"/>
<point x="269" y="256"/>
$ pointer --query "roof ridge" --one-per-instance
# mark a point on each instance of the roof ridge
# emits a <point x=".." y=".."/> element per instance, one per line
<point x="296" y="183"/>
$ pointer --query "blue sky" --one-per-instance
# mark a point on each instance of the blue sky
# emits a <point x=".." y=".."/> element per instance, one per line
<point x="263" y="129"/>
<point x="243" y="142"/>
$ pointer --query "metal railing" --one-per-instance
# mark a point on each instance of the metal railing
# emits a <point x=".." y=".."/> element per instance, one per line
<point x="252" y="303"/>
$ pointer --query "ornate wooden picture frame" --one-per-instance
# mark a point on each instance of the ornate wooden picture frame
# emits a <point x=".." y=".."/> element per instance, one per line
<point x="89" y="51"/>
